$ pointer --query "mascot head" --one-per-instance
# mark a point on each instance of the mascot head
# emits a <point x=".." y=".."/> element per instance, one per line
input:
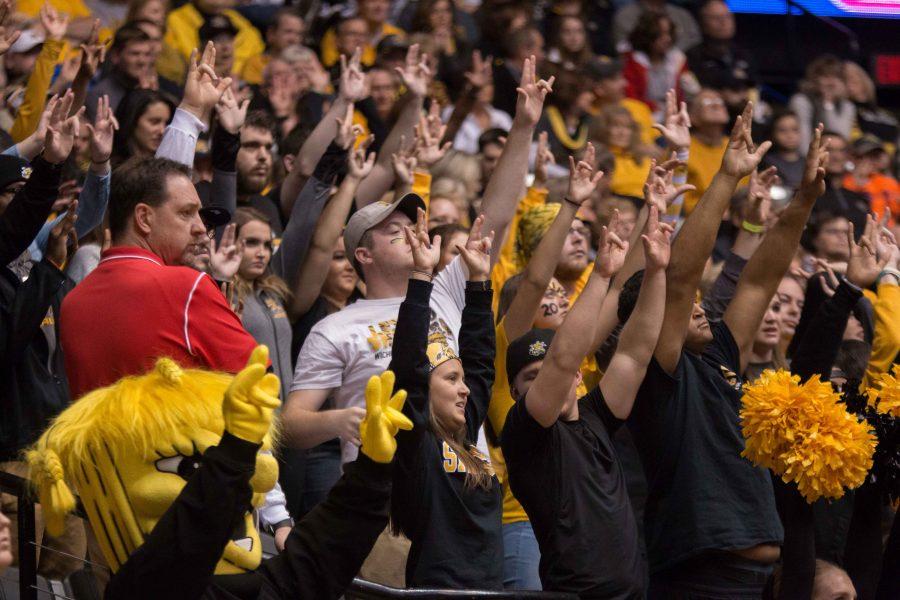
<point x="127" y="450"/>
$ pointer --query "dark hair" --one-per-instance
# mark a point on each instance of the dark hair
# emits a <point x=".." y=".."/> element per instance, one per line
<point x="628" y="297"/>
<point x="508" y="294"/>
<point x="260" y="119"/>
<point x="446" y="232"/>
<point x="139" y="181"/>
<point x="853" y="358"/>
<point x="491" y="136"/>
<point x="424" y="8"/>
<point x="127" y="34"/>
<point x="647" y="30"/>
<point x="284" y="11"/>
<point x="779" y="114"/>
<point x="583" y="55"/>
<point x="519" y="39"/>
<point x="130" y="110"/>
<point x="294" y="140"/>
<point x="815" y="224"/>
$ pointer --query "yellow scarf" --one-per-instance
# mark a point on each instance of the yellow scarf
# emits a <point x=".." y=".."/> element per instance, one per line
<point x="558" y="125"/>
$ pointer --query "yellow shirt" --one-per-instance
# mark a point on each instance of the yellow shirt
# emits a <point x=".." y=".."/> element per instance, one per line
<point x="183" y="35"/>
<point x="29" y="114"/>
<point x="886" y="343"/>
<point x="75" y="9"/>
<point x="330" y="54"/>
<point x="507" y="265"/>
<point x="703" y="164"/>
<point x="254" y="67"/>
<point x="643" y="116"/>
<point x="629" y="175"/>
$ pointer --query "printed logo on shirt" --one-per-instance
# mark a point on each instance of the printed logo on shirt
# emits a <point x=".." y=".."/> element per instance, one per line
<point x="48" y="321"/>
<point x="451" y="461"/>
<point x="731" y="377"/>
<point x="276" y="309"/>
<point x="381" y="335"/>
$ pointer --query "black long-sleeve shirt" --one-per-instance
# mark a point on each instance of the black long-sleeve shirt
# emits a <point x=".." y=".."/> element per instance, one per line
<point x="29" y="209"/>
<point x="821" y="340"/>
<point x="322" y="554"/>
<point x="455" y="529"/>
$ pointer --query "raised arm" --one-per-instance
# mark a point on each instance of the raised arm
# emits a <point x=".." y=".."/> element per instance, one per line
<point x="550" y="390"/>
<point x="582" y="183"/>
<point x="352" y="89"/>
<point x="314" y="269"/>
<point x="415" y="75"/>
<point x="695" y="240"/>
<point x="479" y="76"/>
<point x="628" y="366"/>
<point x="93" y="53"/>
<point x="506" y="184"/>
<point x="770" y="262"/>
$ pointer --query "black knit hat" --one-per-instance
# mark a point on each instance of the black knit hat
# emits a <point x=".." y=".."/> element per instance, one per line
<point x="527" y="349"/>
<point x="13" y="170"/>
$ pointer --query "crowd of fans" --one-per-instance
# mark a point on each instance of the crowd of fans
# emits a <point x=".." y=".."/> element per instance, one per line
<point x="556" y="222"/>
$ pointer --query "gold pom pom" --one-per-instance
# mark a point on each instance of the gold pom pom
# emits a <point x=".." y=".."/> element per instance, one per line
<point x="884" y="397"/>
<point x="805" y="434"/>
<point x="169" y="370"/>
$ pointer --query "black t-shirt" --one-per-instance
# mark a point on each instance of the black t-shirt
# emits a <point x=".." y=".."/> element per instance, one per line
<point x="570" y="482"/>
<point x="702" y="494"/>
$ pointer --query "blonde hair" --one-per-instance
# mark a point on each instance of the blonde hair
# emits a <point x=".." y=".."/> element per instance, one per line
<point x="462" y="167"/>
<point x="851" y="69"/>
<point x="602" y="123"/>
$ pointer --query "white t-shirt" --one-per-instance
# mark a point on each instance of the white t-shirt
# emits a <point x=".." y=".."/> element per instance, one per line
<point x="344" y="349"/>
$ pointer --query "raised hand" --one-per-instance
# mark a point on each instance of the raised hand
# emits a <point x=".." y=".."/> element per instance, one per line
<point x="759" y="196"/>
<point x="481" y="74"/>
<point x="360" y="164"/>
<point x="542" y="159"/>
<point x="611" y="250"/>
<point x="864" y="264"/>
<point x="347" y="131"/>
<point x="656" y="240"/>
<point x="353" y="80"/>
<point x="53" y="23"/>
<point x="429" y="133"/>
<point x="251" y="399"/>
<point x="677" y="126"/>
<point x="415" y="73"/>
<point x="59" y="236"/>
<point x="93" y="53"/>
<point x="532" y="93"/>
<point x="383" y="418"/>
<point x="886" y="242"/>
<point x="8" y="36"/>
<point x="742" y="156"/>
<point x="813" y="183"/>
<point x="477" y="251"/>
<point x="582" y="179"/>
<point x="102" y="131"/>
<point x="404" y="162"/>
<point x="659" y="190"/>
<point x="224" y="257"/>
<point x="61" y="130"/>
<point x="426" y="254"/>
<point x="231" y="113"/>
<point x="203" y="88"/>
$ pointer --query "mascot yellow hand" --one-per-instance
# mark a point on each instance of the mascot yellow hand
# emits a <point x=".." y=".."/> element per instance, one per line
<point x="383" y="418"/>
<point x="251" y="399"/>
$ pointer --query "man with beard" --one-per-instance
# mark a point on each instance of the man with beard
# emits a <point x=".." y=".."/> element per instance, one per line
<point x="254" y="167"/>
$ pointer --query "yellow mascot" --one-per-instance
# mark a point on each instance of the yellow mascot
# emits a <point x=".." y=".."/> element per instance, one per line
<point x="170" y="465"/>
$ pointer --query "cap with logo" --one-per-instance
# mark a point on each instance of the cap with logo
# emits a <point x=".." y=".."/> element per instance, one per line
<point x="371" y="215"/>
<point x="529" y="348"/>
<point x="13" y="170"/>
<point x="866" y="145"/>
<point x="215" y="26"/>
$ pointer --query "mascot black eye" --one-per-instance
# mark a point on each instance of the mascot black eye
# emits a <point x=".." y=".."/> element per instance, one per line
<point x="183" y="466"/>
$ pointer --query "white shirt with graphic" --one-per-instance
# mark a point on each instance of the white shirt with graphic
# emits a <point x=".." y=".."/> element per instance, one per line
<point x="346" y="348"/>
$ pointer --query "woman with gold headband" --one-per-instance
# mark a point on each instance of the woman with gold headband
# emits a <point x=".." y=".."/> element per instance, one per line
<point x="170" y="465"/>
<point x="446" y="498"/>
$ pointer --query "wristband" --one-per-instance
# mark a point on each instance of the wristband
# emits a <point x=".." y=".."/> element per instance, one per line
<point x="889" y="271"/>
<point x="430" y="276"/>
<point x="752" y="227"/>
<point x="572" y="202"/>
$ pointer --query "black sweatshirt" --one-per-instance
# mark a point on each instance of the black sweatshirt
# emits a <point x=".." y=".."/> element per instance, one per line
<point x="455" y="531"/>
<point x="29" y="209"/>
<point x="322" y="554"/>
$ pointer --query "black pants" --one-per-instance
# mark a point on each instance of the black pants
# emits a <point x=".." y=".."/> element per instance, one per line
<point x="712" y="575"/>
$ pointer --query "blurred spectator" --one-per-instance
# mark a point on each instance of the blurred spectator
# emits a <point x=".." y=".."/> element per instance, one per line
<point x="365" y="31"/>
<point x="837" y="199"/>
<point x="569" y="47"/>
<point x="608" y="84"/>
<point x="825" y="237"/>
<point x="615" y="129"/>
<point x="882" y="189"/>
<point x="481" y="116"/>
<point x="254" y="164"/>
<point x="499" y="20"/>
<point x="131" y="61"/>
<point x="655" y="64"/>
<point x="870" y="118"/>
<point x="520" y="44"/>
<point x="437" y="18"/>
<point x="709" y="122"/>
<point x="287" y="29"/>
<point x="785" y="152"/>
<point x="183" y="35"/>
<point x="566" y="117"/>
<point x="823" y="99"/>
<point x="686" y="34"/>
<point x="143" y="116"/>
<point x="717" y="58"/>
<point x="148" y="10"/>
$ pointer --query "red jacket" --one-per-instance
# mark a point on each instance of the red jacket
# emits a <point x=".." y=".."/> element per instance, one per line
<point x="133" y="309"/>
<point x="635" y="66"/>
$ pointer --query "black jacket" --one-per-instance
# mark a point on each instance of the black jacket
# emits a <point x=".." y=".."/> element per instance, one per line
<point x="322" y="554"/>
<point x="33" y="386"/>
<point x="28" y="210"/>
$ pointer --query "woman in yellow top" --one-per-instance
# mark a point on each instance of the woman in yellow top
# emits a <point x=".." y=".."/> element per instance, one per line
<point x="535" y="302"/>
<point x="616" y="129"/>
